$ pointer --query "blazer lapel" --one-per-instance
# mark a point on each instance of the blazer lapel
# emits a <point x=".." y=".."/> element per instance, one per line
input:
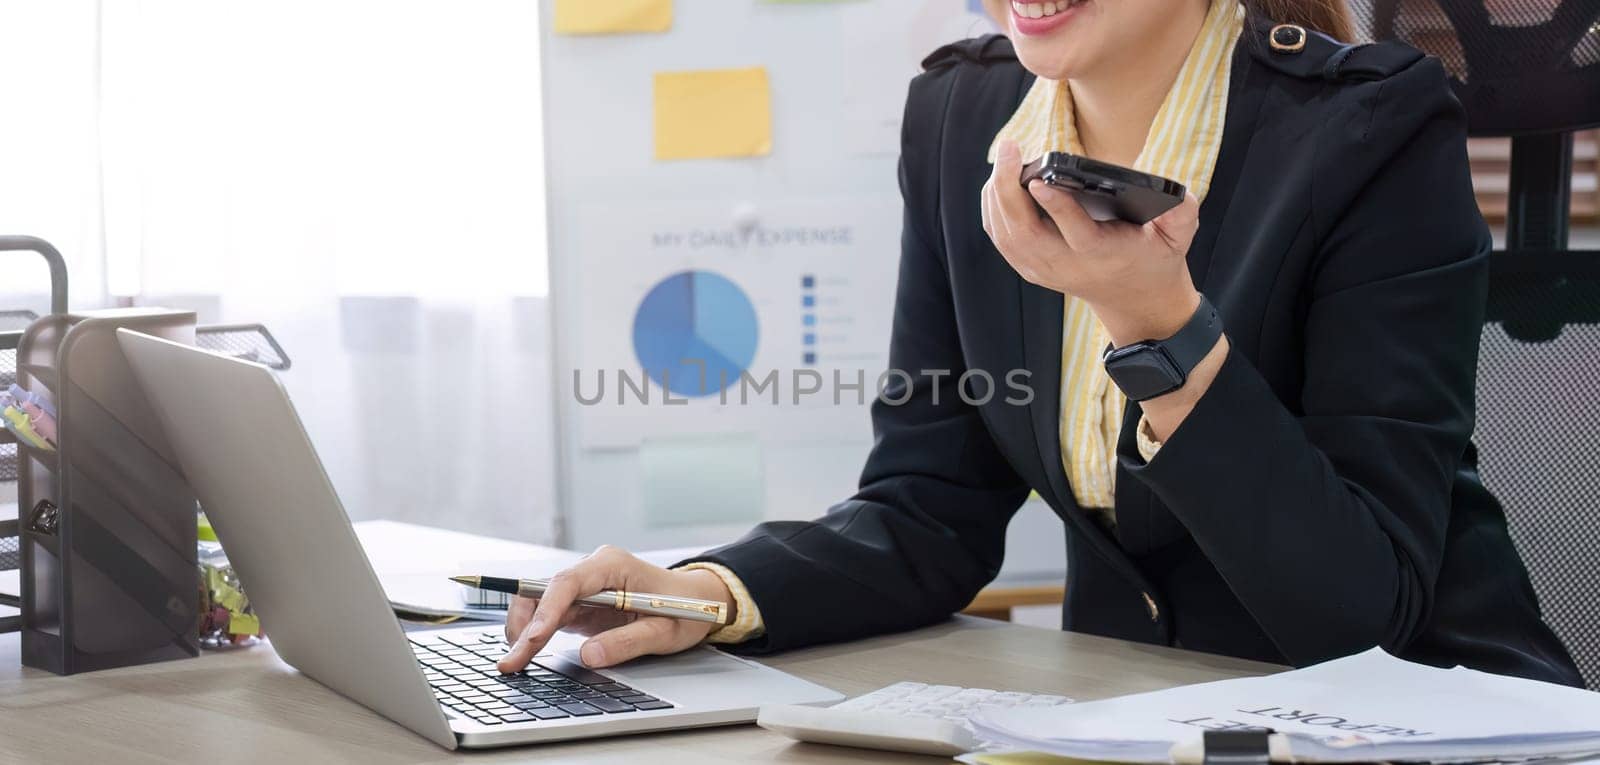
<point x="1245" y="94"/>
<point x="1041" y="310"/>
<point x="1143" y="522"/>
<point x="1041" y="338"/>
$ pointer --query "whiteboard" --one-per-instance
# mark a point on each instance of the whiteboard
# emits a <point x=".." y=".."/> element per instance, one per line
<point x="838" y="73"/>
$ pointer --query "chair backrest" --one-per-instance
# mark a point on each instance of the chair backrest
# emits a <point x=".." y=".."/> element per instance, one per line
<point x="1520" y="66"/>
<point x="1538" y="432"/>
<point x="1530" y="69"/>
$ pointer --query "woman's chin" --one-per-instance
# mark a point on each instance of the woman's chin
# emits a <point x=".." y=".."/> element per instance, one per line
<point x="1050" y="61"/>
<point x="1062" y="54"/>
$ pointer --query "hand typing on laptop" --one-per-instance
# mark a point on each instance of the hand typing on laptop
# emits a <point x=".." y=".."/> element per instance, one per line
<point x="227" y="418"/>
<point x="615" y="636"/>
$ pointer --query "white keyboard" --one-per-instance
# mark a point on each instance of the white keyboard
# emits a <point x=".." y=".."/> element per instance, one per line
<point x="904" y="717"/>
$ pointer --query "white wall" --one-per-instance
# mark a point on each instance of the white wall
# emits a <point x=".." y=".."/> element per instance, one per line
<point x="365" y="177"/>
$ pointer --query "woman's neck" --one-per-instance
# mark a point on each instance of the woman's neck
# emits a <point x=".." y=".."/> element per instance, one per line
<point x="1115" y="105"/>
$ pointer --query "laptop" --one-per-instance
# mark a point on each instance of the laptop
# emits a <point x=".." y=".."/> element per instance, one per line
<point x="252" y="466"/>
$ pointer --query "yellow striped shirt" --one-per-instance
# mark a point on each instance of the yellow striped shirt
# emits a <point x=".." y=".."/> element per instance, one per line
<point x="1182" y="145"/>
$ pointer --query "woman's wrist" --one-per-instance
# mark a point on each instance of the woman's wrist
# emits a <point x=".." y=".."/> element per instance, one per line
<point x="1165" y="413"/>
<point x="707" y="585"/>
<point x="1151" y="318"/>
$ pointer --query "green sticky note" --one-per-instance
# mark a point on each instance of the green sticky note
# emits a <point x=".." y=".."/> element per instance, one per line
<point x="702" y="481"/>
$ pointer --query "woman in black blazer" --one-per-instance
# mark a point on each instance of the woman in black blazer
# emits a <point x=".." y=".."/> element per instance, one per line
<point x="1315" y="492"/>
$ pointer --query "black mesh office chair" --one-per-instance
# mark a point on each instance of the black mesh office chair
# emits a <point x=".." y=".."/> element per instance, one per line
<point x="1530" y="69"/>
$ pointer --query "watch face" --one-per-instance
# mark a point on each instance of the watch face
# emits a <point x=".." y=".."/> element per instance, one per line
<point x="1143" y="371"/>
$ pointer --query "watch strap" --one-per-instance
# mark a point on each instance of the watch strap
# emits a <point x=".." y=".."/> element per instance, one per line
<point x="1196" y="338"/>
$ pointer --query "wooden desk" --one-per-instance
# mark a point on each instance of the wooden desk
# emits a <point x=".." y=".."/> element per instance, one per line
<point x="246" y="705"/>
<point x="251" y="705"/>
<point x="997" y="602"/>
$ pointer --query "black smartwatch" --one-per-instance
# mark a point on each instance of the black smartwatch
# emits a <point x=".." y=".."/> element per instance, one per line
<point x="1151" y="368"/>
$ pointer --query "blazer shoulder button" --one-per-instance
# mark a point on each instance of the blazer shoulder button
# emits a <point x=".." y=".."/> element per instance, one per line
<point x="1287" y="38"/>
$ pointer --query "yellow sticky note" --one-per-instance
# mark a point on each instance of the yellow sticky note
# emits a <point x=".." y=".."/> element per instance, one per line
<point x="244" y="624"/>
<point x="607" y="17"/>
<point x="713" y="113"/>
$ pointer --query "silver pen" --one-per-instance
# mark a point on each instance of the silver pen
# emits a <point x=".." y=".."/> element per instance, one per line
<point x="651" y="604"/>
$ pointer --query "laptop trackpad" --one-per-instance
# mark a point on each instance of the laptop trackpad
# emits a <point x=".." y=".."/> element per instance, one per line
<point x="695" y="663"/>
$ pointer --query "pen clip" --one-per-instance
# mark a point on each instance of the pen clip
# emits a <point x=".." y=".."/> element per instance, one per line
<point x="711" y="609"/>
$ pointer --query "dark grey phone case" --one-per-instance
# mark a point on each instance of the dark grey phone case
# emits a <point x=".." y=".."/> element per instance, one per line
<point x="1106" y="191"/>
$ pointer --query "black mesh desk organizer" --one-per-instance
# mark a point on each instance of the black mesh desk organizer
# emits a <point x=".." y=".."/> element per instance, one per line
<point x="106" y="538"/>
<point x="12" y="324"/>
<point x="1530" y="69"/>
<point x="108" y="529"/>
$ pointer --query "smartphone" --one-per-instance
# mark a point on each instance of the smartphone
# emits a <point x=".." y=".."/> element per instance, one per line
<point x="1106" y="191"/>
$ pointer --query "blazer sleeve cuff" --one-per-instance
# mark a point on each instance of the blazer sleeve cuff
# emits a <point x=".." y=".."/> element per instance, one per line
<point x="747" y="624"/>
<point x="1208" y="446"/>
<point x="766" y="567"/>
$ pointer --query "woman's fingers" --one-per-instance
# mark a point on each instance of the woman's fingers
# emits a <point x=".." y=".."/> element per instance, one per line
<point x="517" y="616"/>
<point x="986" y="208"/>
<point x="619" y="636"/>
<point x="589" y="576"/>
<point x="989" y="200"/>
<point x="593" y="621"/>
<point x="1014" y="209"/>
<point x="1178" y="225"/>
<point x="522" y="651"/>
<point x="1081" y="232"/>
<point x="645" y="636"/>
<point x="996" y="224"/>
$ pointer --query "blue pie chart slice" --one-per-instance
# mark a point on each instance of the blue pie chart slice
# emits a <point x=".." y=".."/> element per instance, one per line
<point x="690" y="319"/>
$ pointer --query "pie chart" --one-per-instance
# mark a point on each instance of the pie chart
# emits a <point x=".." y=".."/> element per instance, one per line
<point x="695" y="332"/>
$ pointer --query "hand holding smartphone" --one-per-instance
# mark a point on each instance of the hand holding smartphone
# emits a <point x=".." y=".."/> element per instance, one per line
<point x="1106" y="191"/>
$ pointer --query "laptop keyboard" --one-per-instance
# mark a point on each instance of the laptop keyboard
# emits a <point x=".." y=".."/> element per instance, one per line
<point x="461" y="669"/>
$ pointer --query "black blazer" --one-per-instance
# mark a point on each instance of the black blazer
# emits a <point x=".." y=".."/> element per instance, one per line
<point x="1322" y="498"/>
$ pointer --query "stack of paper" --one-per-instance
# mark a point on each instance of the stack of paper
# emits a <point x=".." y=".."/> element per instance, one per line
<point x="1363" y="708"/>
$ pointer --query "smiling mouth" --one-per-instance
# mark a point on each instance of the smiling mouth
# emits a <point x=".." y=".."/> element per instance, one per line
<point x="1041" y="10"/>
